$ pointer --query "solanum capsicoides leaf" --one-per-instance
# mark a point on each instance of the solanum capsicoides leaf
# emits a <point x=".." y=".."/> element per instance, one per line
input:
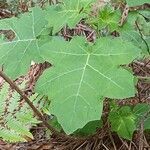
<point x="82" y="75"/>
<point x="16" y="55"/>
<point x="69" y="13"/>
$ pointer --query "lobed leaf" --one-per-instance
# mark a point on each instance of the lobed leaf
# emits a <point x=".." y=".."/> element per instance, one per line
<point x="16" y="55"/>
<point x="84" y="73"/>
<point x="67" y="13"/>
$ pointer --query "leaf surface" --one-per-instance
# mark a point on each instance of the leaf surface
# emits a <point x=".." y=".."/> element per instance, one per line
<point x="107" y="18"/>
<point x="67" y="13"/>
<point x="123" y="122"/>
<point x="141" y="112"/>
<point x="84" y="73"/>
<point x="16" y="55"/>
<point x="132" y="3"/>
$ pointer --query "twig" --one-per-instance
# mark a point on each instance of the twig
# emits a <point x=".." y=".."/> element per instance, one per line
<point x="145" y="142"/>
<point x="105" y="147"/>
<point x="124" y="143"/>
<point x="112" y="140"/>
<point x="124" y="15"/>
<point x="145" y="6"/>
<point x="23" y="95"/>
<point x="141" y="135"/>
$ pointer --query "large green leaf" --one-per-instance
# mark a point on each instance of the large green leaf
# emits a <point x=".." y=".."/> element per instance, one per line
<point x="66" y="13"/>
<point x="123" y="122"/>
<point x="132" y="3"/>
<point x="16" y="55"/>
<point x="84" y="73"/>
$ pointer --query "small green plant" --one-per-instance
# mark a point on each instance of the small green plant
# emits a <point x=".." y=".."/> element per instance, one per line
<point x="16" y="116"/>
<point x="83" y="73"/>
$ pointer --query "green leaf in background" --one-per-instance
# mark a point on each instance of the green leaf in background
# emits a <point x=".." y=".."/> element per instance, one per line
<point x="145" y="13"/>
<point x="82" y="74"/>
<point x="106" y="18"/>
<point x="90" y="128"/>
<point x="147" y="122"/>
<point x="67" y="13"/>
<point x="140" y="110"/>
<point x="55" y="124"/>
<point x="16" y="55"/>
<point x="129" y="25"/>
<point x="123" y="122"/>
<point x="135" y="38"/>
<point x="132" y="3"/>
<point x="131" y="33"/>
<point x="144" y="26"/>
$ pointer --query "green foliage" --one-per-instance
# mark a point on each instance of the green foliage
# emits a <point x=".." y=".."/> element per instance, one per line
<point x="126" y="120"/>
<point x="16" y="116"/>
<point x="140" y="110"/>
<point x="54" y="122"/>
<point x="24" y="48"/>
<point x="132" y="3"/>
<point x="82" y="74"/>
<point x="66" y="13"/>
<point x="90" y="128"/>
<point x="86" y="68"/>
<point x="123" y="122"/>
<point x="145" y="13"/>
<point x="136" y="30"/>
<point x="107" y="19"/>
